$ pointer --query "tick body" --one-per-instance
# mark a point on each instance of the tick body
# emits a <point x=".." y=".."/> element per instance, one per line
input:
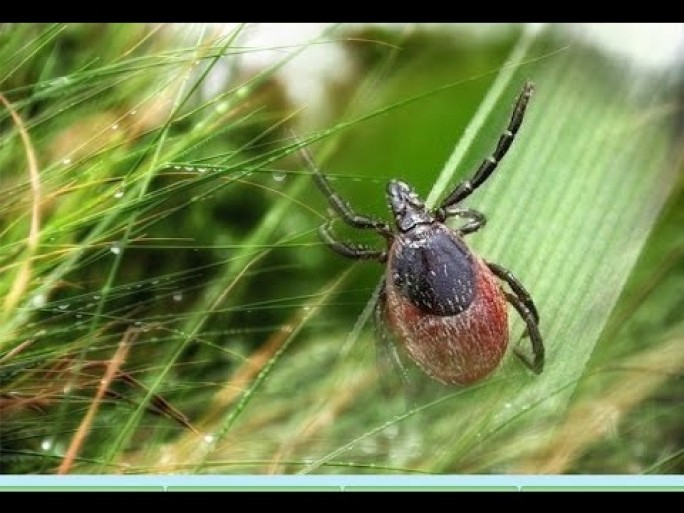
<point x="440" y="302"/>
<point x="444" y="304"/>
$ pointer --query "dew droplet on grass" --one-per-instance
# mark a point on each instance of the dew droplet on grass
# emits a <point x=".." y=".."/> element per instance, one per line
<point x="39" y="300"/>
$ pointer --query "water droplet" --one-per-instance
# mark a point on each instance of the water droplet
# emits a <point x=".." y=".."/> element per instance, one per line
<point x="62" y="81"/>
<point x="133" y="112"/>
<point x="96" y="297"/>
<point x="201" y="169"/>
<point x="286" y="329"/>
<point x="138" y="323"/>
<point x="78" y="316"/>
<point x="209" y="439"/>
<point x="178" y="168"/>
<point x="46" y="444"/>
<point x="221" y="107"/>
<point x="356" y="179"/>
<point x="178" y="296"/>
<point x="155" y="282"/>
<point x="66" y="162"/>
<point x="392" y="430"/>
<point x="279" y="176"/>
<point x="119" y="193"/>
<point x="115" y="126"/>
<point x="508" y="405"/>
<point x="116" y="248"/>
<point x="242" y="92"/>
<point x="332" y="178"/>
<point x="39" y="300"/>
<point x="64" y="306"/>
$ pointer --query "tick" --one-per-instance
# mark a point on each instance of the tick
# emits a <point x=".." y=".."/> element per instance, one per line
<point x="440" y="301"/>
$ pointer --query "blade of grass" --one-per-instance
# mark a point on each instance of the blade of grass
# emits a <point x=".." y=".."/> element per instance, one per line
<point x="23" y="274"/>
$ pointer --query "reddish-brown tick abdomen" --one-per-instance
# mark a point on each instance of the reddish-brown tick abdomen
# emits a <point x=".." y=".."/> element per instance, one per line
<point x="454" y="349"/>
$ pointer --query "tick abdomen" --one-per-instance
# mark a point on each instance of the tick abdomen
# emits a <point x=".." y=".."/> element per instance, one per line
<point x="446" y="307"/>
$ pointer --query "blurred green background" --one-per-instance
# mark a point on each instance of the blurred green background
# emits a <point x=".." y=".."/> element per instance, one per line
<point x="169" y="308"/>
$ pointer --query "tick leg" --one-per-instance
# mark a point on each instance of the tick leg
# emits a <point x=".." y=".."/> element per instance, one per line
<point x="537" y="365"/>
<point x="353" y="251"/>
<point x="465" y="188"/>
<point x="386" y="348"/>
<point x="522" y="302"/>
<point x="339" y="205"/>
<point x="516" y="287"/>
<point x="477" y="219"/>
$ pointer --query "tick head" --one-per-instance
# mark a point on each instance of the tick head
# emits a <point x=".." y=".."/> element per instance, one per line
<point x="408" y="208"/>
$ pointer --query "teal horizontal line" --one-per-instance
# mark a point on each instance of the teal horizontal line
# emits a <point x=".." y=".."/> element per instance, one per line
<point x="266" y="488"/>
<point x="81" y="488"/>
<point x="408" y="488"/>
<point x="632" y="488"/>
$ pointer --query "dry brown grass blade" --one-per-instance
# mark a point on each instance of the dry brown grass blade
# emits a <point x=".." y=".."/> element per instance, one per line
<point x="68" y="373"/>
<point x="15" y="351"/>
<point x="23" y="275"/>
<point x="82" y="431"/>
<point x="158" y="405"/>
